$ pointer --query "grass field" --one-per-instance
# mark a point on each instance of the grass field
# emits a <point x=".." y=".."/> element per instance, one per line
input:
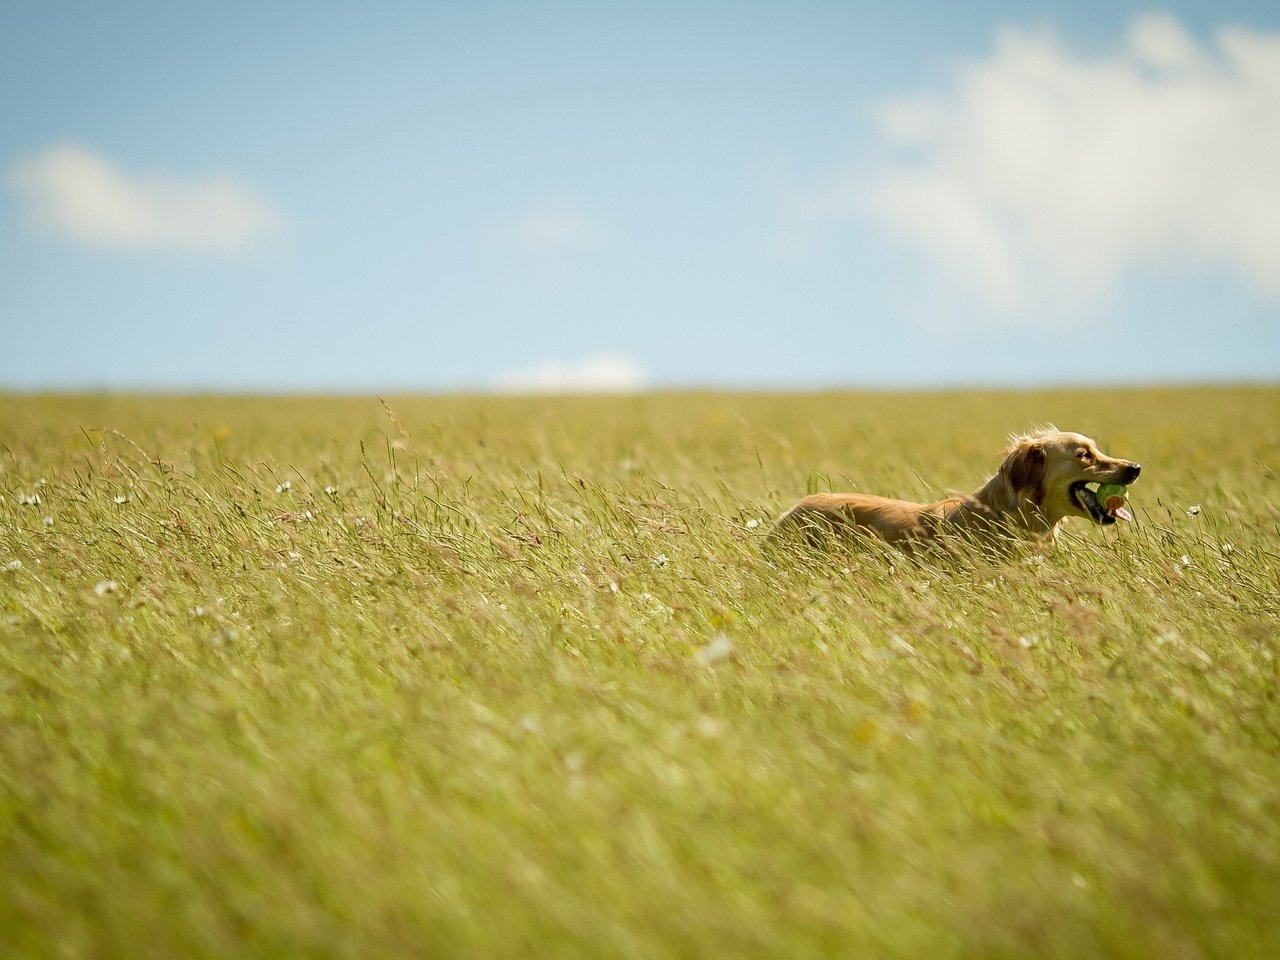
<point x="512" y="677"/>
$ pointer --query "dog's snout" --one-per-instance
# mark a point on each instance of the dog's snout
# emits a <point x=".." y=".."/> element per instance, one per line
<point x="1131" y="473"/>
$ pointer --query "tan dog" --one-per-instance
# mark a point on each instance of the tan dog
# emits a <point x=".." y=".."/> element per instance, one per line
<point x="1041" y="483"/>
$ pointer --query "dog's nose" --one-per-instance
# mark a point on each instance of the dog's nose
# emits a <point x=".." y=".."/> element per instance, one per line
<point x="1133" y="471"/>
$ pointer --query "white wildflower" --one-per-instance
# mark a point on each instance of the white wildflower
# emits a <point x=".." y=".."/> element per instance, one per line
<point x="1228" y="548"/>
<point x="123" y="498"/>
<point x="295" y="556"/>
<point x="13" y="565"/>
<point x="718" y="649"/>
<point x="752" y="523"/>
<point x="284" y="486"/>
<point x="331" y="491"/>
<point x="104" y="587"/>
<point x="660" y="560"/>
<point x="709" y="727"/>
<point x="29" y="499"/>
<point x="47" y="521"/>
<point x="1193" y="510"/>
<point x="222" y="636"/>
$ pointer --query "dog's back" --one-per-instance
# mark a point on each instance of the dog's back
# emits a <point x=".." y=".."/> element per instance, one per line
<point x="823" y="514"/>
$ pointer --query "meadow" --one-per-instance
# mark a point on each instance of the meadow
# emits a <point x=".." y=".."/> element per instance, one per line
<point x="504" y="677"/>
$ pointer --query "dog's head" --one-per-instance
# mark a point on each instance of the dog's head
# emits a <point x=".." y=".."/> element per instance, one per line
<point x="1053" y="470"/>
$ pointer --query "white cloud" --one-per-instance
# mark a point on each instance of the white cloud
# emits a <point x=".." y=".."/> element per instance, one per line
<point x="599" y="374"/>
<point x="552" y="226"/>
<point x="76" y="192"/>
<point x="1042" y="178"/>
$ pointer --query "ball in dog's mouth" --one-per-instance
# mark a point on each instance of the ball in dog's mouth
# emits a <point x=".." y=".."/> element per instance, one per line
<point x="1087" y="500"/>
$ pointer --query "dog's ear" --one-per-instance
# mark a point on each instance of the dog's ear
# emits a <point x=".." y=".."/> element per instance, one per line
<point x="1023" y="468"/>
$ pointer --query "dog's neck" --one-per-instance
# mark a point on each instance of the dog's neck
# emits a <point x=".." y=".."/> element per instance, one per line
<point x="1018" y="511"/>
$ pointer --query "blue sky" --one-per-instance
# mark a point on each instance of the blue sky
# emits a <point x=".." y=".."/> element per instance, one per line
<point x="430" y="196"/>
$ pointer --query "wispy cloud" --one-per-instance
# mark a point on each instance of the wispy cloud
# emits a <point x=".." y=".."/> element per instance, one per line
<point x="78" y="193"/>
<point x="1042" y="177"/>
<point x="552" y="226"/>
<point x="599" y="374"/>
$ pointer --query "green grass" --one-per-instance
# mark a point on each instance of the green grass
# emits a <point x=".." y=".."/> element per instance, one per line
<point x="512" y="677"/>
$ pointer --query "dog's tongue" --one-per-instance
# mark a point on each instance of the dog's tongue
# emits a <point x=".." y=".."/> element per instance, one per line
<point x="1117" y="508"/>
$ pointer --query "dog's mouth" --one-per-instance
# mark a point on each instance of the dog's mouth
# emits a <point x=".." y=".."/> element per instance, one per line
<point x="1086" y="498"/>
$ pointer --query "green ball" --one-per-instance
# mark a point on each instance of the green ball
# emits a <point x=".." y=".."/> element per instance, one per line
<point x="1108" y="490"/>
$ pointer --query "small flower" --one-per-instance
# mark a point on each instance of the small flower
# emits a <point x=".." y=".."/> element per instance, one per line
<point x="284" y="486"/>
<point x="47" y="521"/>
<point x="1193" y="510"/>
<point x="660" y="560"/>
<point x="295" y="556"/>
<point x="752" y="523"/>
<point x="331" y="491"/>
<point x="1228" y="548"/>
<point x="708" y="727"/>
<point x="715" y="651"/>
<point x="104" y="587"/>
<point x="123" y="498"/>
<point x="13" y="565"/>
<point x="29" y="499"/>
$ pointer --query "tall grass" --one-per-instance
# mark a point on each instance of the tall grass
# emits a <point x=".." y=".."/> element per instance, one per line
<point x="502" y="677"/>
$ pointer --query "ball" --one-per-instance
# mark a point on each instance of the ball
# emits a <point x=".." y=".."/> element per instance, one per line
<point x="1108" y="490"/>
<point x="1112" y="498"/>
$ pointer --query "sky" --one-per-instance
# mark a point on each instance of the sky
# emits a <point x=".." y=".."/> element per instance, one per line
<point x="615" y="196"/>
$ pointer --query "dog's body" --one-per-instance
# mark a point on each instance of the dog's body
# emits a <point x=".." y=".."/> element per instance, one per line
<point x="1040" y="484"/>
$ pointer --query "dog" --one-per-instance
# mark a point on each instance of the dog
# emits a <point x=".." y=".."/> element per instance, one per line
<point x="1042" y="482"/>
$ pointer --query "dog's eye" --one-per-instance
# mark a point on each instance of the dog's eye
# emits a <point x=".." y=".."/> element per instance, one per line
<point x="1083" y="454"/>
